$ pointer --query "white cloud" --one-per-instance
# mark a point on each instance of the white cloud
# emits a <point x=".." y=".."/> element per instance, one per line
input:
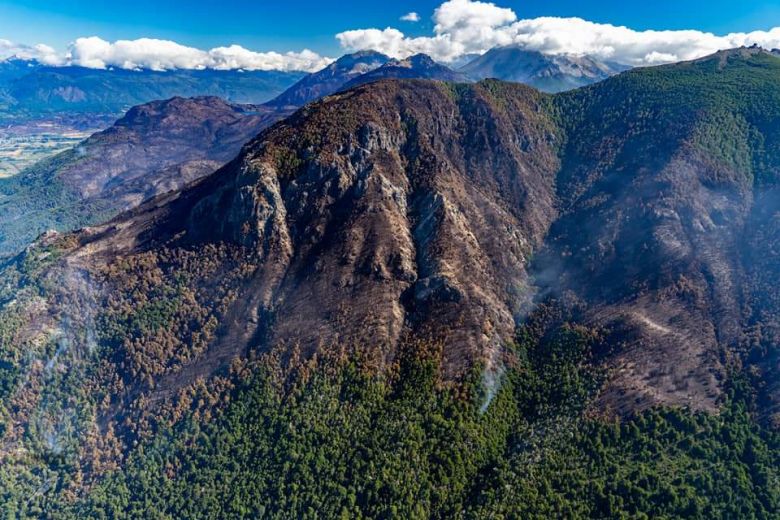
<point x="465" y="20"/>
<point x="40" y="52"/>
<point x="411" y="17"/>
<point x="393" y="43"/>
<point x="465" y="26"/>
<point x="237" y="57"/>
<point x="148" y="53"/>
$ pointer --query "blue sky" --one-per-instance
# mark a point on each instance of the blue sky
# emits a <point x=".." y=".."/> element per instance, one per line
<point x="295" y="24"/>
<point x="307" y="35"/>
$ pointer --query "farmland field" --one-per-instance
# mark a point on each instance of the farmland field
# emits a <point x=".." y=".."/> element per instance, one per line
<point x="22" y="146"/>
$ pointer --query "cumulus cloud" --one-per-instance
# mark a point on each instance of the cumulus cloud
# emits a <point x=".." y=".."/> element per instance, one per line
<point x="148" y="53"/>
<point x="411" y="17"/>
<point x="159" y="55"/>
<point x="237" y="57"/>
<point x="465" y="20"/>
<point x="145" y="53"/>
<point x="40" y="52"/>
<point x="465" y="27"/>
<point x="395" y="44"/>
<point x="624" y="45"/>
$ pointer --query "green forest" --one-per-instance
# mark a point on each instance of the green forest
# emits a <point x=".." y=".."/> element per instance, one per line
<point x="340" y="443"/>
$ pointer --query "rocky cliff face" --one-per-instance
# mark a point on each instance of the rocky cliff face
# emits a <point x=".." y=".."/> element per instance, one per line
<point x="374" y="228"/>
<point x="370" y="230"/>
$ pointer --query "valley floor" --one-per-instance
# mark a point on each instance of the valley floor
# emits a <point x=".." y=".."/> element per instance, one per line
<point x="24" y="143"/>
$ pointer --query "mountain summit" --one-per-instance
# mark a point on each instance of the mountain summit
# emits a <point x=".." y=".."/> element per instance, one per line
<point x="549" y="73"/>
<point x="330" y="79"/>
<point x="419" y="66"/>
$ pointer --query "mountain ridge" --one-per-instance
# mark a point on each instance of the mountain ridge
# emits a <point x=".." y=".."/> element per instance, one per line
<point x="418" y="66"/>
<point x="330" y="79"/>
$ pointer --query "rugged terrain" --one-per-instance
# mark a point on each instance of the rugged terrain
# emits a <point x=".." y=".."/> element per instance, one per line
<point x="510" y="295"/>
<point x="154" y="148"/>
<point x="160" y="146"/>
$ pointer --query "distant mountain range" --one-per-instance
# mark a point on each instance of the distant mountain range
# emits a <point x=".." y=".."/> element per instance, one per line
<point x="548" y="73"/>
<point x="419" y="66"/>
<point x="31" y="90"/>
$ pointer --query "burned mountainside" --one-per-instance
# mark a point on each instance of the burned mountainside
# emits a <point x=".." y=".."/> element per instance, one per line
<point x="614" y="246"/>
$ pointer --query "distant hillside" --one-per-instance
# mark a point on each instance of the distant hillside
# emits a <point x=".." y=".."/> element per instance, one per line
<point x="14" y="68"/>
<point x="154" y="148"/>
